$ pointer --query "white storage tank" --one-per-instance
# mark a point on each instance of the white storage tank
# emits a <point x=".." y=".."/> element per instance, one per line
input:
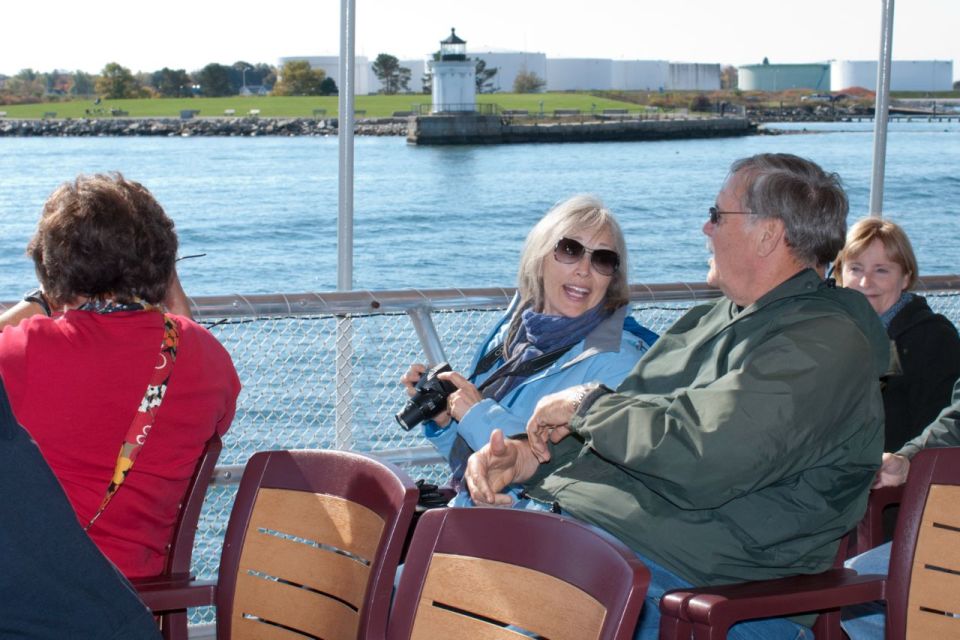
<point x="905" y="75"/>
<point x="778" y="77"/>
<point x="509" y="64"/>
<point x="571" y="74"/>
<point x="685" y="76"/>
<point x="640" y="75"/>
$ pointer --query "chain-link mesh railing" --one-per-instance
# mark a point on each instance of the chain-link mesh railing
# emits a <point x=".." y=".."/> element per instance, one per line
<point x="323" y="371"/>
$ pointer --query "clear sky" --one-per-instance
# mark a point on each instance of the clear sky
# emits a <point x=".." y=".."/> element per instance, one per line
<point x="146" y="36"/>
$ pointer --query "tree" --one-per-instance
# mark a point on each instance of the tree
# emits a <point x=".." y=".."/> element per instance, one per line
<point x="116" y="82"/>
<point x="298" y="79"/>
<point x="27" y="84"/>
<point x="700" y="103"/>
<point x="328" y="87"/>
<point x="728" y="77"/>
<point x="214" y="80"/>
<point x="83" y="84"/>
<point x="484" y="77"/>
<point x="171" y="83"/>
<point x="528" y="82"/>
<point x="392" y="76"/>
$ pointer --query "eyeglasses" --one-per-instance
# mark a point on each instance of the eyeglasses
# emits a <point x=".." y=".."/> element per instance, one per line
<point x="604" y="261"/>
<point x="715" y="214"/>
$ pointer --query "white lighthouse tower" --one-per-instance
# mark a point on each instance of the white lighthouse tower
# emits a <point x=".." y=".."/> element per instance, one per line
<point x="454" y="84"/>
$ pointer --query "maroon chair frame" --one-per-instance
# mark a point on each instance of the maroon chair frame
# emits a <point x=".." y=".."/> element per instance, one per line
<point x="507" y="543"/>
<point x="870" y="529"/>
<point x="176" y="571"/>
<point x="379" y="487"/>
<point x="710" y="612"/>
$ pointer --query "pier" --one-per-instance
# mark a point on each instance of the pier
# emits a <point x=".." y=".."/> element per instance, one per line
<point x="495" y="129"/>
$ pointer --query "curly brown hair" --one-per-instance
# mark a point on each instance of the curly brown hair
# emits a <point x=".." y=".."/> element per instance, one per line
<point x="103" y="236"/>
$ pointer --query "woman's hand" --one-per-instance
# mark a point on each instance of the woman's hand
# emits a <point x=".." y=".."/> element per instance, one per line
<point x="551" y="420"/>
<point x="499" y="463"/>
<point x="409" y="381"/>
<point x="466" y="395"/>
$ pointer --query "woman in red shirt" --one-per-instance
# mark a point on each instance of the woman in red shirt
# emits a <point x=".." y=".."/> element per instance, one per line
<point x="78" y="357"/>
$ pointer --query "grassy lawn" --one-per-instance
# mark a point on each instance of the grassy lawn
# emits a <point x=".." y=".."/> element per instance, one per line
<point x="293" y="107"/>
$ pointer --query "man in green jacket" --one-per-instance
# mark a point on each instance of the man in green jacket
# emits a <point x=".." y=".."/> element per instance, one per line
<point x="743" y="444"/>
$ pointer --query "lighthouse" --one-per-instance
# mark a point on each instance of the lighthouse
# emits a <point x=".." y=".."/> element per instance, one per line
<point x="454" y="84"/>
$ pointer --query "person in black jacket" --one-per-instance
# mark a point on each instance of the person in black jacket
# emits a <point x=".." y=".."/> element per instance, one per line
<point x="54" y="582"/>
<point x="878" y="261"/>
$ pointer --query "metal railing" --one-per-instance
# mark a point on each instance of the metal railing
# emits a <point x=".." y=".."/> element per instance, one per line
<point x="322" y="370"/>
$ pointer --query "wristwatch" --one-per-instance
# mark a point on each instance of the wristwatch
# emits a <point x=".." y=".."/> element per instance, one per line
<point x="37" y="297"/>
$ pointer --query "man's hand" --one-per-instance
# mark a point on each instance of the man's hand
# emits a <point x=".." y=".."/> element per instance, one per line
<point x="499" y="463"/>
<point x="893" y="471"/>
<point x="551" y="420"/>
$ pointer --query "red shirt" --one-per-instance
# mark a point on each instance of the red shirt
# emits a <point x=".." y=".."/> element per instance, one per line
<point x="75" y="382"/>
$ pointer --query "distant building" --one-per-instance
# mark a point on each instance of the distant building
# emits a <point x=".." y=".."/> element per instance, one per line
<point x="905" y="75"/>
<point x="780" y="77"/>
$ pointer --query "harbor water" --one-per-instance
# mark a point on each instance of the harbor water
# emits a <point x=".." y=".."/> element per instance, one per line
<point x="264" y="210"/>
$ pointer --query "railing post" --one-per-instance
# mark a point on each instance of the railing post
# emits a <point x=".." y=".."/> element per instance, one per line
<point x="427" y="332"/>
<point x="343" y="409"/>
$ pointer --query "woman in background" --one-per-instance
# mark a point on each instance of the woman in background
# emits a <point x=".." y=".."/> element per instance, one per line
<point x="567" y="325"/>
<point x="878" y="261"/>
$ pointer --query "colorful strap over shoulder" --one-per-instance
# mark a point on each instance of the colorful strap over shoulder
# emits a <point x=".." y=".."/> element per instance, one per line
<point x="146" y="412"/>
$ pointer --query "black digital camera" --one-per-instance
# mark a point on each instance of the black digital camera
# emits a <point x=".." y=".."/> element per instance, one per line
<point x="429" y="400"/>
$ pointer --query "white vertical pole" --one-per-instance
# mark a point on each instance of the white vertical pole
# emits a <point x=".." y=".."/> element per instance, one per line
<point x="882" y="109"/>
<point x="345" y="333"/>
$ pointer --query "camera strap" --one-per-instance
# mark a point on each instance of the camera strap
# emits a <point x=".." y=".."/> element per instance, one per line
<point x="524" y="369"/>
<point x="146" y="413"/>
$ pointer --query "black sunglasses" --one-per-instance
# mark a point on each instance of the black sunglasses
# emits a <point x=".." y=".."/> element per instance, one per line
<point x="606" y="262"/>
<point x="715" y="214"/>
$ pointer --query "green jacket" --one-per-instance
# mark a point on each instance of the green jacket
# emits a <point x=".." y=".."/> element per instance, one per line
<point x="743" y="444"/>
<point x="942" y="432"/>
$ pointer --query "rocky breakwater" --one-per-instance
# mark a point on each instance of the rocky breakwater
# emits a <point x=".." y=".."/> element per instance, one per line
<point x="197" y="127"/>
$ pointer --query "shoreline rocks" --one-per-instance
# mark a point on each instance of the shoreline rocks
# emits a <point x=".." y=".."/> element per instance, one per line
<point x="175" y="127"/>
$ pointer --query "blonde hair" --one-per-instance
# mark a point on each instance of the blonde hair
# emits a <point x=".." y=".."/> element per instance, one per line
<point x="896" y="245"/>
<point x="577" y="213"/>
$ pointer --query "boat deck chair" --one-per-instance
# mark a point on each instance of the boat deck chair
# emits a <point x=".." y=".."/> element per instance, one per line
<point x="311" y="548"/>
<point x="921" y="591"/>
<point x="503" y="574"/>
<point x="176" y="573"/>
<point x="870" y="529"/>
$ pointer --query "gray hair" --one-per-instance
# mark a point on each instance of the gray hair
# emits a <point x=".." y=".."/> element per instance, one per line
<point x="577" y="213"/>
<point x="811" y="202"/>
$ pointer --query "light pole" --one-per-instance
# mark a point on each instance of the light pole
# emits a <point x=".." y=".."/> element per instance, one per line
<point x="243" y="74"/>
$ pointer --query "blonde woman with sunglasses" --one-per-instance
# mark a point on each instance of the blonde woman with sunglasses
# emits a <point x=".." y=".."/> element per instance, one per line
<point x="567" y="325"/>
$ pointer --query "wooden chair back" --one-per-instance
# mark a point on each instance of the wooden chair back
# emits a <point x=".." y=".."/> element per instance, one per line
<point x="488" y="573"/>
<point x="923" y="587"/>
<point x="312" y="546"/>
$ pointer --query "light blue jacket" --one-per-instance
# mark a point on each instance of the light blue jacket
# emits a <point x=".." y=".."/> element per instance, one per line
<point x="606" y="355"/>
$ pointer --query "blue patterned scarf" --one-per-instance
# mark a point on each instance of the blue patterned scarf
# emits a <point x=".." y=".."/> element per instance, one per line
<point x="887" y="316"/>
